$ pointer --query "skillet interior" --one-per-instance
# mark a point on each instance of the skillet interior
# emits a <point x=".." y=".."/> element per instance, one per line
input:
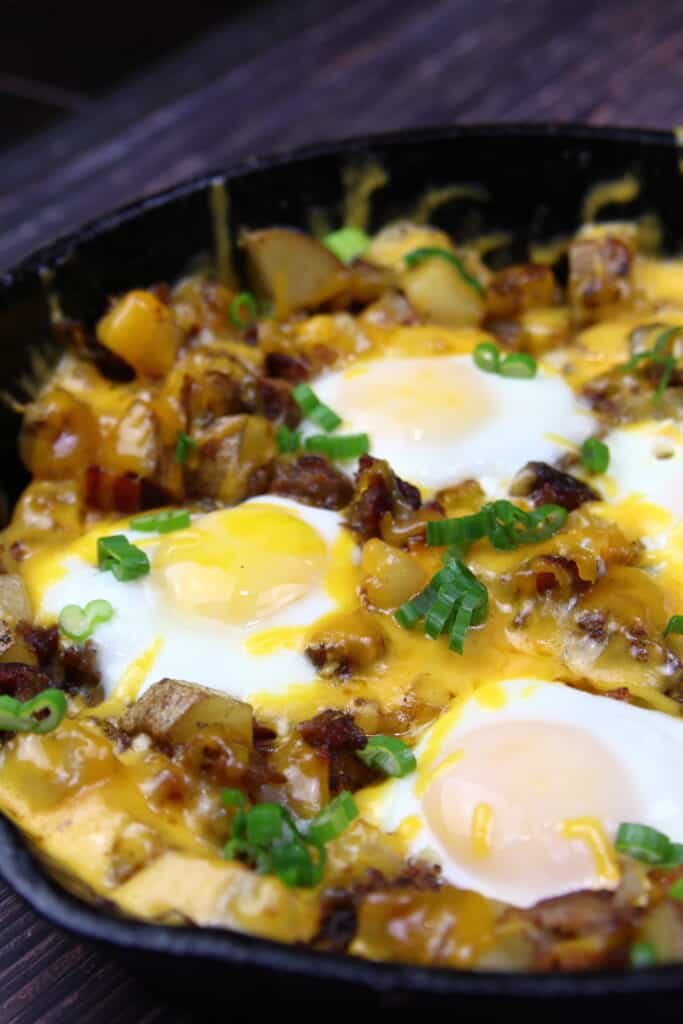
<point x="537" y="179"/>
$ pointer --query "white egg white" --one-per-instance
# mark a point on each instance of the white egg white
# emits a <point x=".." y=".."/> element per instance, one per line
<point x="632" y="755"/>
<point x="190" y="646"/>
<point x="439" y="420"/>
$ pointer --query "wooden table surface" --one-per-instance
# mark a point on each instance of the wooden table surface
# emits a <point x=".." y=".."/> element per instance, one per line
<point x="277" y="75"/>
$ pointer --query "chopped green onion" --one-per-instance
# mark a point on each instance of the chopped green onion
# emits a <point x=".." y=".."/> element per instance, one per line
<point x="347" y="244"/>
<point x="239" y="849"/>
<point x="40" y="715"/>
<point x="674" y="625"/>
<point x="676" y="890"/>
<point x="389" y="755"/>
<point x="162" y="522"/>
<point x="123" y="559"/>
<point x="433" y="252"/>
<point x="412" y="611"/>
<point x="643" y="843"/>
<point x="233" y="798"/>
<point x="487" y="357"/>
<point x="674" y="857"/>
<point x="656" y="355"/>
<point x="287" y="440"/>
<point x="519" y="365"/>
<point x="242" y="304"/>
<point x="294" y="865"/>
<point x="642" y="954"/>
<point x="338" y="446"/>
<point x="269" y="839"/>
<point x="505" y="525"/>
<point x="459" y="533"/>
<point x="183" y="445"/>
<point x="440" y="612"/>
<point x="464" y="618"/>
<point x="78" y="623"/>
<point x="333" y="819"/>
<point x="595" y="455"/>
<point x="314" y="409"/>
<point x="265" y="824"/>
<point x="453" y="601"/>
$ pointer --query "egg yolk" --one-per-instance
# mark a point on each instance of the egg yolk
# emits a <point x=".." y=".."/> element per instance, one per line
<point x="415" y="400"/>
<point x="528" y="807"/>
<point x="242" y="565"/>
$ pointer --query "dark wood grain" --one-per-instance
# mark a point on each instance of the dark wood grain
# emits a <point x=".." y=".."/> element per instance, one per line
<point x="276" y="75"/>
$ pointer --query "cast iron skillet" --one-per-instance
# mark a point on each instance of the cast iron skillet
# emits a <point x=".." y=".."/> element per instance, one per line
<point x="537" y="178"/>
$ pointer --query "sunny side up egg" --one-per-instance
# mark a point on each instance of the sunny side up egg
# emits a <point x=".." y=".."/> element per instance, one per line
<point x="520" y="789"/>
<point x="439" y="419"/>
<point x="227" y="601"/>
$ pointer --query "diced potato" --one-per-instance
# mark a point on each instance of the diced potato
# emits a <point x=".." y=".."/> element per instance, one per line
<point x="390" y="245"/>
<point x="14" y="601"/>
<point x="141" y="330"/>
<point x="59" y="436"/>
<point x="233" y="452"/>
<point x="390" y="576"/>
<point x="135" y="444"/>
<point x="519" y="288"/>
<point x="439" y="292"/>
<point x="173" y="711"/>
<point x="292" y="269"/>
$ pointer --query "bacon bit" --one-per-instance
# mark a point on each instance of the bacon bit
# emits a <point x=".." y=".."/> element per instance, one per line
<point x="23" y="682"/>
<point x="332" y="730"/>
<point x="272" y="398"/>
<point x="621" y="693"/>
<point x="378" y="490"/>
<point x="311" y="479"/>
<point x="545" y="485"/>
<point x="294" y="369"/>
<point x="336" y="737"/>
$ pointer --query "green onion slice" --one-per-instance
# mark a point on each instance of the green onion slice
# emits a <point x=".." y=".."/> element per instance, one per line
<point x="183" y="446"/>
<point x="440" y="612"/>
<point x="78" y="623"/>
<point x="333" y="819"/>
<point x="519" y="365"/>
<point x="642" y="954"/>
<point x="294" y="866"/>
<point x="676" y="890"/>
<point x="643" y="843"/>
<point x="674" y="625"/>
<point x="389" y="755"/>
<point x="594" y="455"/>
<point x="505" y="525"/>
<point x="287" y="440"/>
<point x="40" y="715"/>
<point x="656" y="355"/>
<point x="347" y="244"/>
<point x="433" y="252"/>
<point x="487" y="357"/>
<point x="314" y="409"/>
<point x="117" y="555"/>
<point x="674" y="857"/>
<point x="167" y="521"/>
<point x="412" y="611"/>
<point x="339" y="446"/>
<point x="243" y="312"/>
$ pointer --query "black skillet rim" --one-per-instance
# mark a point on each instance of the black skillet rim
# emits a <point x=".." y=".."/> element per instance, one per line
<point x="22" y="871"/>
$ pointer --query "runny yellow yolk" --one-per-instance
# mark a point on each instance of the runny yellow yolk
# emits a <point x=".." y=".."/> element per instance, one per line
<point x="425" y="400"/>
<point x="506" y="809"/>
<point x="241" y="566"/>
